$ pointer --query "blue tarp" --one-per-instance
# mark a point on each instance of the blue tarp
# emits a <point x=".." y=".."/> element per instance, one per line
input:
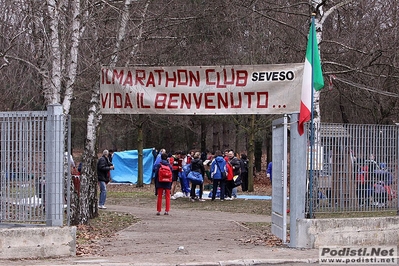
<point x="255" y="197"/>
<point x="126" y="166"/>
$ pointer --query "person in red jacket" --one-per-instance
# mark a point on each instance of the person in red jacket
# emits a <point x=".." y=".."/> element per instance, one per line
<point x="162" y="187"/>
<point x="189" y="157"/>
<point x="229" y="179"/>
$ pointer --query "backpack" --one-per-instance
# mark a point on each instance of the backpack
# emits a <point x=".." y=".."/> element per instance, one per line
<point x="164" y="173"/>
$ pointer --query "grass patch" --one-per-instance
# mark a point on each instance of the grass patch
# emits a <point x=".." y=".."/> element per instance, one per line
<point x="138" y="194"/>
<point x="382" y="213"/>
<point x="262" y="207"/>
<point x="142" y="197"/>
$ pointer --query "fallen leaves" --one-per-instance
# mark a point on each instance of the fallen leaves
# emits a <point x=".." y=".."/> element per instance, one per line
<point x="105" y="226"/>
<point x="261" y="235"/>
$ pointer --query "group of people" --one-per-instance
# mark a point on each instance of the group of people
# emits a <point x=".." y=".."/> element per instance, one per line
<point x="236" y="170"/>
<point x="225" y="170"/>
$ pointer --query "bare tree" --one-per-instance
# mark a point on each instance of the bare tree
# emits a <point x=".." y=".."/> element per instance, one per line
<point x="58" y="48"/>
<point x="360" y="59"/>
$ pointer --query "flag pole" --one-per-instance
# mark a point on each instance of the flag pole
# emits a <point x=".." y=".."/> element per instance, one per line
<point x="311" y="122"/>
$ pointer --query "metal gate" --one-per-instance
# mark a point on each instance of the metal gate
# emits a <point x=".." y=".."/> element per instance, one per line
<point x="280" y="172"/>
<point x="32" y="167"/>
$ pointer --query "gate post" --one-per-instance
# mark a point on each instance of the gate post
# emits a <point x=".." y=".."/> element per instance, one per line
<point x="54" y="165"/>
<point x="298" y="177"/>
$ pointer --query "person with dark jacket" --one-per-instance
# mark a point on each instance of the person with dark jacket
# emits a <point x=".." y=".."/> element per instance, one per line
<point x="197" y="166"/>
<point x="244" y="172"/>
<point x="218" y="166"/>
<point x="162" y="187"/>
<point x="176" y="163"/>
<point x="103" y="168"/>
<point x="235" y="165"/>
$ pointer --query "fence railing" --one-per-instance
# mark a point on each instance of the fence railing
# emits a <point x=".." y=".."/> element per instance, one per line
<point x="32" y="167"/>
<point x="354" y="168"/>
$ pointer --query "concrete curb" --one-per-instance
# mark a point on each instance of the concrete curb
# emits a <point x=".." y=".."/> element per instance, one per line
<point x="252" y="262"/>
<point x="244" y="262"/>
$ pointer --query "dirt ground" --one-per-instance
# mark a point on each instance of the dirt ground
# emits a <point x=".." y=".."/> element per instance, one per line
<point x="184" y="236"/>
<point x="201" y="234"/>
<point x="191" y="234"/>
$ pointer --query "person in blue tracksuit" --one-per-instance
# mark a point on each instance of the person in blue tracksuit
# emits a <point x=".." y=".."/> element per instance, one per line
<point x="218" y="166"/>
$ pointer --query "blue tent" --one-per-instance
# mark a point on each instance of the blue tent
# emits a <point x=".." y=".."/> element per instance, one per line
<point x="126" y="166"/>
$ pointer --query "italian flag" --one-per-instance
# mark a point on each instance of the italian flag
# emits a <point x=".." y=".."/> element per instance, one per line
<point x="312" y="78"/>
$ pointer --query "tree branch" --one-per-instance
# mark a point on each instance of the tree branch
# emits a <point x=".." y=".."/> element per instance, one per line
<point x="332" y="9"/>
<point x="30" y="64"/>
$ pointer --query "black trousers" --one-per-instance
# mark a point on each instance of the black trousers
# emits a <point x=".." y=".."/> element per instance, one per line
<point x="193" y="187"/>
<point x="244" y="180"/>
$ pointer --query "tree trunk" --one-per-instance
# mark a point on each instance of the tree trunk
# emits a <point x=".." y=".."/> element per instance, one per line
<point x="251" y="152"/>
<point x="203" y="135"/>
<point x="226" y="136"/>
<point x="52" y="83"/>
<point x="88" y="198"/>
<point x="88" y="177"/>
<point x="52" y="93"/>
<point x="258" y="153"/>
<point x="236" y="133"/>
<point x="216" y="137"/>
<point x="72" y="64"/>
<point x="140" y="153"/>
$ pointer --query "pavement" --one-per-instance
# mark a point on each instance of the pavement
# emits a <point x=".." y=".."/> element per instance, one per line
<point x="185" y="237"/>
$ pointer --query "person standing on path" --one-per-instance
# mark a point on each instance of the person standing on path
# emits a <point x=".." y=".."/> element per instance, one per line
<point x="229" y="180"/>
<point x="162" y="187"/>
<point x="197" y="166"/>
<point x="244" y="172"/>
<point x="156" y="162"/>
<point x="236" y="169"/>
<point x="184" y="183"/>
<point x="103" y="168"/>
<point x="176" y="162"/>
<point x="218" y="166"/>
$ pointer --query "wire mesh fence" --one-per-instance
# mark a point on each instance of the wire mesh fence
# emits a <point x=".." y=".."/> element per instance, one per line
<point x="352" y="168"/>
<point x="23" y="168"/>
